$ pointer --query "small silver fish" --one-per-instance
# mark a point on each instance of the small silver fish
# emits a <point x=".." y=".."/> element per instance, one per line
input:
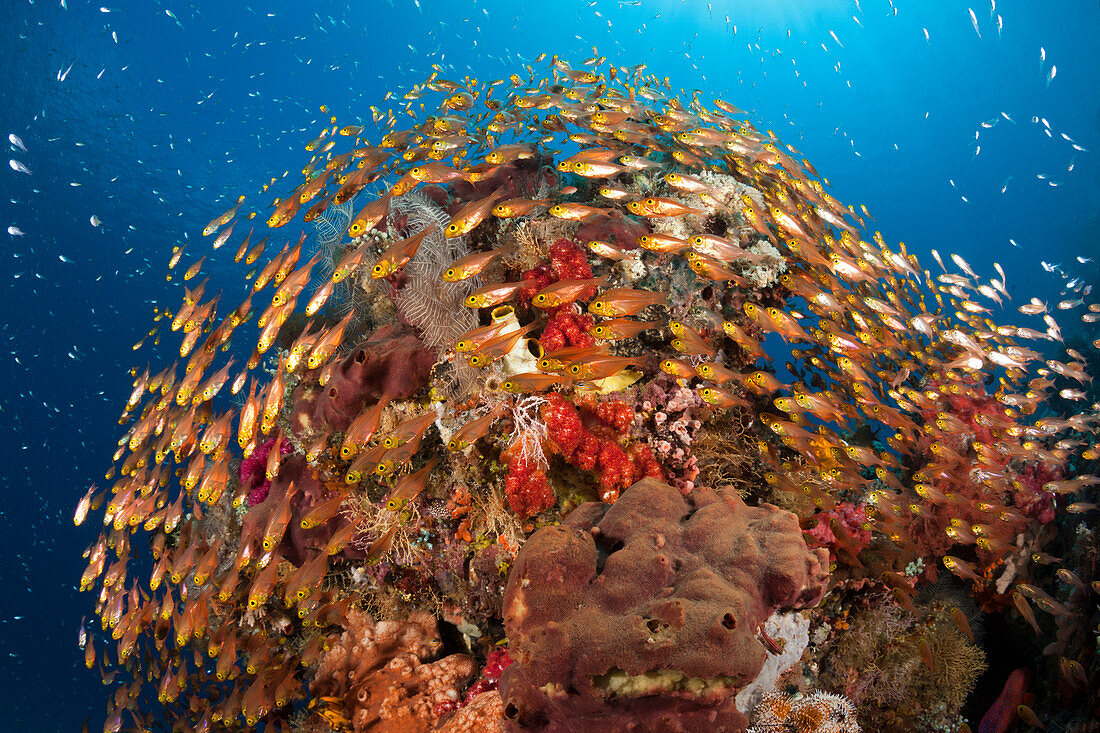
<point x="974" y="20"/>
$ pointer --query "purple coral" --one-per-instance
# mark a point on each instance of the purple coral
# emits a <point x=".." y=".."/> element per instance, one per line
<point x="669" y="410"/>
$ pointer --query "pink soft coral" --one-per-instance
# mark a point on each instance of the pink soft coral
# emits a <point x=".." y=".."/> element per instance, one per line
<point x="848" y="519"/>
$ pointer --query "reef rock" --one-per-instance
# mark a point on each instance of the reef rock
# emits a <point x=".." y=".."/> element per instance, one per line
<point x="644" y="615"/>
<point x="393" y="362"/>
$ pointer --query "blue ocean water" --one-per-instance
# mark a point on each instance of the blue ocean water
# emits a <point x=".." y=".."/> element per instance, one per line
<point x="152" y="117"/>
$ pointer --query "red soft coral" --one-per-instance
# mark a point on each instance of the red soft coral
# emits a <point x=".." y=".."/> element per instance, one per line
<point x="527" y="488"/>
<point x="592" y="442"/>
<point x="569" y="261"/>
<point x="567" y="328"/>
<point x="848" y="519"/>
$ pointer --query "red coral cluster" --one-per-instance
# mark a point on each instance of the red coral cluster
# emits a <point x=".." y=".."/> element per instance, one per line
<point x="495" y="664"/>
<point x="850" y="522"/>
<point x="252" y="471"/>
<point x="591" y="441"/>
<point x="567" y="262"/>
<point x="1030" y="497"/>
<point x="567" y="328"/>
<point x="526" y="487"/>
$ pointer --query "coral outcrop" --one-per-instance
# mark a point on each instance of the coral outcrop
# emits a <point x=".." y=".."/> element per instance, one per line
<point x="645" y="614"/>
<point x="381" y="677"/>
<point x="393" y="363"/>
<point x="820" y="712"/>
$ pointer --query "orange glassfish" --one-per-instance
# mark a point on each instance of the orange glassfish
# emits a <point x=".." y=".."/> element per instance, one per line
<point x="746" y="342"/>
<point x="498" y="347"/>
<point x="410" y="429"/>
<point x="322" y="512"/>
<point x="527" y="382"/>
<point x="294" y="283"/>
<point x="470" y="215"/>
<point x="608" y="250"/>
<point x="437" y="173"/>
<point x="662" y="243"/>
<point x="625" y="302"/>
<point x="254" y="253"/>
<point x="320" y="297"/>
<point x="619" y="328"/>
<point x="594" y="368"/>
<point x="713" y="268"/>
<point x="285" y="211"/>
<point x="369" y="216"/>
<point x="493" y="294"/>
<point x="194" y="269"/>
<point x="362" y="428"/>
<point x="84" y="505"/>
<point x="223" y="236"/>
<point x="399" y="253"/>
<point x="469" y="266"/>
<point x="507" y="153"/>
<point x="409" y="487"/>
<point x="317" y="209"/>
<point x="566" y="291"/>
<point x="574" y="212"/>
<point x="722" y="397"/>
<point x="307" y="191"/>
<point x="678" y="368"/>
<point x="517" y="207"/>
<point x="715" y="372"/>
<point x="659" y="207"/>
<point x="475" y="337"/>
<point x="223" y="219"/>
<point x="350" y="262"/>
<point x="328" y="343"/>
<point x="475" y="428"/>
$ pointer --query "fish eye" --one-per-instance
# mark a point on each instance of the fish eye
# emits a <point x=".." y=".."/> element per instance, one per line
<point x="452" y="227"/>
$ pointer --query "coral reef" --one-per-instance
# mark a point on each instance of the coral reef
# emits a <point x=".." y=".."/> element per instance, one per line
<point x="511" y="397"/>
<point x="819" y="712"/>
<point x="649" y="609"/>
<point x="382" y="677"/>
<point x="903" y="672"/>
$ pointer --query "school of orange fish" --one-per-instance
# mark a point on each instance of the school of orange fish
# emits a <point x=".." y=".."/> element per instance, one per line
<point x="717" y="236"/>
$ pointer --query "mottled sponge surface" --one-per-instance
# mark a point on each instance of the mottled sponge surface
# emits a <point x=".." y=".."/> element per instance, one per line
<point x="392" y="363"/>
<point x="643" y="615"/>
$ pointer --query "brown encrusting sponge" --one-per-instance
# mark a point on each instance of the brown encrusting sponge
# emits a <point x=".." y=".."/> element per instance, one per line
<point x="644" y="615"/>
